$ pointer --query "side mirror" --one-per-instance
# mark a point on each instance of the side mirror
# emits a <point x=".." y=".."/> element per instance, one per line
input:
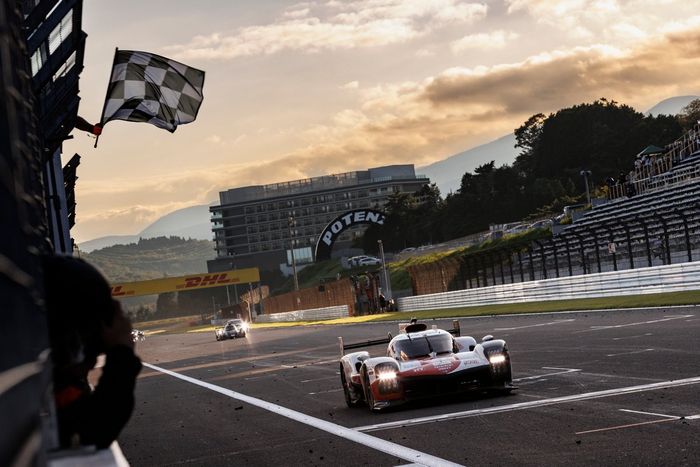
<point x="487" y="338"/>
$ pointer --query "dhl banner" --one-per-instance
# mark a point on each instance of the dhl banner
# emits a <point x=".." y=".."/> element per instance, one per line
<point x="189" y="282"/>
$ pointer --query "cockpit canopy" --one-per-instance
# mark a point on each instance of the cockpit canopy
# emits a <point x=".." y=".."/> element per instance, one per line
<point x="421" y="345"/>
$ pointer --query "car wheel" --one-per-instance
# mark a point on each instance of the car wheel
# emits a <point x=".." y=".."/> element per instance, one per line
<point x="504" y="377"/>
<point x="346" y="390"/>
<point x="369" y="397"/>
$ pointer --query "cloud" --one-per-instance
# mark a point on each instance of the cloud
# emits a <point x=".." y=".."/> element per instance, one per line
<point x="350" y="85"/>
<point x="493" y="40"/>
<point x="333" y="26"/>
<point x="424" y="121"/>
<point x="213" y="139"/>
<point x="623" y="21"/>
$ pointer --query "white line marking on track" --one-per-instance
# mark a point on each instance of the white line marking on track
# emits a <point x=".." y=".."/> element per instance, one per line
<point x="559" y="321"/>
<point x="669" y="418"/>
<point x="317" y="379"/>
<point x="629" y="353"/>
<point x="567" y="370"/>
<point x="617" y="326"/>
<point x="649" y="413"/>
<point x="630" y="425"/>
<point x="325" y="392"/>
<point x="632" y="337"/>
<point x="530" y="404"/>
<point x="393" y="449"/>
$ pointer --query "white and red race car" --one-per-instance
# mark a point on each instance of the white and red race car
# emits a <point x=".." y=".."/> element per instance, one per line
<point x="420" y="363"/>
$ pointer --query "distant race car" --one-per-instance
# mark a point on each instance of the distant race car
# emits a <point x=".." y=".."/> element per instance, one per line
<point x="137" y="335"/>
<point x="422" y="363"/>
<point x="232" y="329"/>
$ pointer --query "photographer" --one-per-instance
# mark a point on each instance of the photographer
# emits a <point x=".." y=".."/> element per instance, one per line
<point x="84" y="322"/>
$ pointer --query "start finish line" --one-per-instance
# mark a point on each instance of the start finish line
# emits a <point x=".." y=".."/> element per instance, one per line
<point x="189" y="282"/>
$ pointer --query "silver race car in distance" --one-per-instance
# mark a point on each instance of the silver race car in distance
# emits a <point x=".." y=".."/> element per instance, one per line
<point x="420" y="363"/>
<point x="232" y="329"/>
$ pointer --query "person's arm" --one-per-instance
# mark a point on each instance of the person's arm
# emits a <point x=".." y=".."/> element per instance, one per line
<point x="99" y="417"/>
<point x="84" y="125"/>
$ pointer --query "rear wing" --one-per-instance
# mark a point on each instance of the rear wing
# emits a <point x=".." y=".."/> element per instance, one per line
<point x="455" y="331"/>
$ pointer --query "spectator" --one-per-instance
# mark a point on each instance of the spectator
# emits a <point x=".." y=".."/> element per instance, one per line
<point x="84" y="322"/>
<point x="622" y="178"/>
<point x="382" y="302"/>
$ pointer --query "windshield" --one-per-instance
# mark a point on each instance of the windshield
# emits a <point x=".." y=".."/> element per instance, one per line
<point x="421" y="346"/>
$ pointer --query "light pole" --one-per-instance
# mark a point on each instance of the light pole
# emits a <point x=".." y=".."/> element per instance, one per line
<point x="387" y="284"/>
<point x="291" y="223"/>
<point x="585" y="174"/>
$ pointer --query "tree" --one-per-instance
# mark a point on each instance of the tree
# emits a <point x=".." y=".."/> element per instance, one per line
<point x="690" y="114"/>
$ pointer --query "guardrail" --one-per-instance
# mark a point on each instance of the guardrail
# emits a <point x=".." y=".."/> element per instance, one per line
<point x="314" y="314"/>
<point x="657" y="279"/>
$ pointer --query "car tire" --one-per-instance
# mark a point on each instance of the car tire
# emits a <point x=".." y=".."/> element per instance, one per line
<point x="346" y="390"/>
<point x="366" y="387"/>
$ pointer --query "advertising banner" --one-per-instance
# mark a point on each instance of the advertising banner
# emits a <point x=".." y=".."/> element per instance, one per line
<point x="190" y="282"/>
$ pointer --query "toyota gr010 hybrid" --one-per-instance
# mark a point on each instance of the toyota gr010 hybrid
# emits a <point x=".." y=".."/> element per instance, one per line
<point x="422" y="363"/>
<point x="232" y="329"/>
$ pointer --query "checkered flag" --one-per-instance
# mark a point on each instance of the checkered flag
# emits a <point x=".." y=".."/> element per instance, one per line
<point x="145" y="87"/>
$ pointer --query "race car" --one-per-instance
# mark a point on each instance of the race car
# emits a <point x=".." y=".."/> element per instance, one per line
<point x="421" y="363"/>
<point x="232" y="329"/>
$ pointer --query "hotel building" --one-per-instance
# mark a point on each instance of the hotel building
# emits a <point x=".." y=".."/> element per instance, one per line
<point x="255" y="226"/>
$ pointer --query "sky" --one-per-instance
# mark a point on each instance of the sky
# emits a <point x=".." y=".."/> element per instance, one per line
<point x="297" y="90"/>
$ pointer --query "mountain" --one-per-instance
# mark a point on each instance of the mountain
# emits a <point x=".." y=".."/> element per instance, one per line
<point x="152" y="258"/>
<point x="447" y="173"/>
<point x="671" y="106"/>
<point x="192" y="222"/>
<point x="104" y="242"/>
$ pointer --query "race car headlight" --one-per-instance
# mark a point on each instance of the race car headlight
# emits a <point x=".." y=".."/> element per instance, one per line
<point x="496" y="359"/>
<point x="386" y="376"/>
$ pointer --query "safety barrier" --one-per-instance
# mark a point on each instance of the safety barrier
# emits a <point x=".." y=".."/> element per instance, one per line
<point x="314" y="314"/>
<point x="669" y="278"/>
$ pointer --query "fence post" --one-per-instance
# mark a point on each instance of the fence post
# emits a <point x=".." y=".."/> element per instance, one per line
<point x="555" y="253"/>
<point x="666" y="243"/>
<point x="531" y="266"/>
<point x="500" y="263"/>
<point x="568" y="256"/>
<point x="611" y="239"/>
<point x="646" y="240"/>
<point x="684" y="219"/>
<point x="520" y="265"/>
<point x="510" y="266"/>
<point x="626" y="226"/>
<point x="597" y="249"/>
<point x="582" y="252"/>
<point x="544" y="258"/>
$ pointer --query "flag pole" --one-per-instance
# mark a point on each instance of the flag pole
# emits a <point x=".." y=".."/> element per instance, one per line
<point x="109" y="83"/>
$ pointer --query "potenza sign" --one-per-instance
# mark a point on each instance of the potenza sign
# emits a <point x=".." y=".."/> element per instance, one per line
<point x="342" y="223"/>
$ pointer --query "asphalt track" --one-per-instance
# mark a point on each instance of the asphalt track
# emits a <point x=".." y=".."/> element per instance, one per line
<point x="606" y="388"/>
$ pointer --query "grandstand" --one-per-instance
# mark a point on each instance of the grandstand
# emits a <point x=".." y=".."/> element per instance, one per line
<point x="651" y="220"/>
